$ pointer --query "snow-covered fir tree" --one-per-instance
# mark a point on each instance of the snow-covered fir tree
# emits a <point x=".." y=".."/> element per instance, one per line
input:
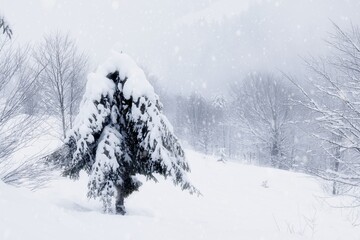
<point x="121" y="132"/>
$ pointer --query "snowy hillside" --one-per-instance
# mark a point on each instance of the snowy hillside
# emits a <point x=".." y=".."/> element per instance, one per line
<point x="270" y="88"/>
<point x="236" y="204"/>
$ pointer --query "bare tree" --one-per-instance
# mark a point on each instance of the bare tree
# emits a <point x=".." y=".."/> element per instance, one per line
<point x="200" y="119"/>
<point x="5" y="27"/>
<point x="334" y="100"/>
<point x="262" y="112"/>
<point x="62" y="81"/>
<point x="34" y="173"/>
<point x="17" y="84"/>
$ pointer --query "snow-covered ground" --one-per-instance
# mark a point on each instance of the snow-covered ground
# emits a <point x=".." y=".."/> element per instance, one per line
<point x="236" y="204"/>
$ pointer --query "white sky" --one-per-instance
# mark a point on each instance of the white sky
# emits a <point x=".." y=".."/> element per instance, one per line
<point x="292" y="28"/>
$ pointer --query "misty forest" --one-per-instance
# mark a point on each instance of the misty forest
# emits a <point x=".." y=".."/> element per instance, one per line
<point x="157" y="119"/>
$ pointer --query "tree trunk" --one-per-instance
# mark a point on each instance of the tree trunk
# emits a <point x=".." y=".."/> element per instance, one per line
<point x="337" y="156"/>
<point x="336" y="169"/>
<point x="119" y="202"/>
<point x="274" y="155"/>
<point x="71" y="103"/>
<point x="71" y="108"/>
<point x="63" y="120"/>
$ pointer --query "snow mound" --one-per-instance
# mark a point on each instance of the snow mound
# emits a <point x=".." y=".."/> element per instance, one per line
<point x="136" y="85"/>
<point x="236" y="204"/>
<point x="98" y="85"/>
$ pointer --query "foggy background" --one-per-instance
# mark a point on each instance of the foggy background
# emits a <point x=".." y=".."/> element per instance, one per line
<point x="272" y="83"/>
<point x="189" y="45"/>
<point x="265" y="83"/>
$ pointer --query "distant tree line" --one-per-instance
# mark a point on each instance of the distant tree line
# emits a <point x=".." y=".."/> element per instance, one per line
<point x="308" y="122"/>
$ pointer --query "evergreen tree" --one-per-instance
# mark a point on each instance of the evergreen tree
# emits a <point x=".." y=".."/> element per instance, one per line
<point x="120" y="132"/>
